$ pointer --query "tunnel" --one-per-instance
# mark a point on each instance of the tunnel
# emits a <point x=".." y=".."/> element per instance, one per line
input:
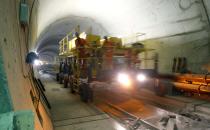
<point x="141" y="64"/>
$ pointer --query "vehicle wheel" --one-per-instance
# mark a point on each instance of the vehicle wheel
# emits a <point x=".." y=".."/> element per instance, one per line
<point x="65" y="83"/>
<point x="159" y="88"/>
<point x="72" y="90"/>
<point x="71" y="86"/>
<point x="60" y="80"/>
<point x="84" y="93"/>
<point x="57" y="77"/>
<point x="90" y="95"/>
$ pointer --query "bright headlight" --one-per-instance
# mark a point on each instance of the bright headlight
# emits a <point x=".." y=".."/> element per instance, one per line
<point x="123" y="79"/>
<point x="37" y="62"/>
<point x="141" y="77"/>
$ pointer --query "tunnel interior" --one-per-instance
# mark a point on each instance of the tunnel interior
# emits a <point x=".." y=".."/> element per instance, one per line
<point x="171" y="23"/>
<point x="166" y="43"/>
<point x="48" y="44"/>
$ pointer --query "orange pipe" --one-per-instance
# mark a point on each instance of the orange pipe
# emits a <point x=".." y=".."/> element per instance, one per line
<point x="193" y="78"/>
<point x="201" y="89"/>
<point x="197" y="83"/>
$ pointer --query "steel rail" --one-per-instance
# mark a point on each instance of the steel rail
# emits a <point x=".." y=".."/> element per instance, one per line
<point x="137" y="119"/>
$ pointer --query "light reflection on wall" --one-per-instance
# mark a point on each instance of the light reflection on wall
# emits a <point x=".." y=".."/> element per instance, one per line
<point x="122" y="17"/>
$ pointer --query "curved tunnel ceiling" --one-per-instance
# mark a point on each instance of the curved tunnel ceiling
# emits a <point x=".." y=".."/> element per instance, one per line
<point x="53" y="33"/>
<point x="155" y="18"/>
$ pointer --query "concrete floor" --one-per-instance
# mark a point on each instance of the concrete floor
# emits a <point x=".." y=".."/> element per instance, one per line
<point x="69" y="113"/>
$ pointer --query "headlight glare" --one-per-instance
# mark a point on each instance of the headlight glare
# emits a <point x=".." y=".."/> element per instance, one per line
<point x="123" y="79"/>
<point x="141" y="77"/>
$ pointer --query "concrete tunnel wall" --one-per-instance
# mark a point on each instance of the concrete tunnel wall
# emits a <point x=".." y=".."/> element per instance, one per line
<point x="13" y="47"/>
<point x="195" y="47"/>
<point x="187" y="35"/>
<point x="173" y="28"/>
<point x="48" y="40"/>
<point x="191" y="42"/>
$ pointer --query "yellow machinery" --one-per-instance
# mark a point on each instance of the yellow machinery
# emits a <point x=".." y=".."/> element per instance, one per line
<point x="68" y="50"/>
<point x="78" y="78"/>
<point x="95" y="69"/>
<point x="67" y="46"/>
<point x="80" y="75"/>
<point x="115" y="40"/>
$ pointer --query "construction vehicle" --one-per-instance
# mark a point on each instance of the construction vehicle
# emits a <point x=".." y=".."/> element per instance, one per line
<point x="94" y="66"/>
<point x="124" y="68"/>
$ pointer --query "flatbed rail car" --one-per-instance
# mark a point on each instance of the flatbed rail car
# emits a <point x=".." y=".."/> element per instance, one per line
<point x="84" y="70"/>
<point x="78" y="76"/>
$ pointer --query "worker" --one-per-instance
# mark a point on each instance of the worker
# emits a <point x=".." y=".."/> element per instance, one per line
<point x="80" y="45"/>
<point x="108" y="53"/>
<point x="61" y="67"/>
<point x="66" y="73"/>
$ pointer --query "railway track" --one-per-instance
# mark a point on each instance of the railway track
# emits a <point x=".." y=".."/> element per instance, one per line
<point x="136" y="114"/>
<point x="129" y="120"/>
<point x="170" y="103"/>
